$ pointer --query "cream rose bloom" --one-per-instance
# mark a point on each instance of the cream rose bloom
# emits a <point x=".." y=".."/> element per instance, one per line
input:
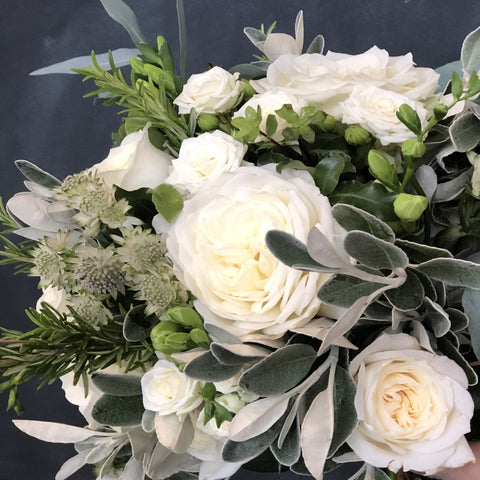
<point x="136" y="163"/>
<point x="205" y="156"/>
<point x="167" y="391"/>
<point x="269" y="102"/>
<point x="413" y="407"/>
<point x="55" y="297"/>
<point x="213" y="91"/>
<point x="327" y="80"/>
<point x="218" y="249"/>
<point x="375" y="109"/>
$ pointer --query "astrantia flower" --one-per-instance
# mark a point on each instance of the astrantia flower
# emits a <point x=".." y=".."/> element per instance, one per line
<point x="90" y="309"/>
<point x="99" y="270"/>
<point x="48" y="265"/>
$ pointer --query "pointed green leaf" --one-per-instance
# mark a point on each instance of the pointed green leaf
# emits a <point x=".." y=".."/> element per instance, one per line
<point x="317" y="45"/>
<point x="457" y="86"/>
<point x="124" y="15"/>
<point x="327" y="173"/>
<point x="168" y="201"/>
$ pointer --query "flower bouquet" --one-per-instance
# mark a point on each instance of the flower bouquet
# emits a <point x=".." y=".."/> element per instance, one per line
<point x="276" y="265"/>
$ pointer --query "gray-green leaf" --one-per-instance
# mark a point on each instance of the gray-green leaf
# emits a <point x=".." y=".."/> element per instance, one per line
<point x="124" y="15"/>
<point x="409" y="295"/>
<point x="471" y="51"/>
<point x="452" y="271"/>
<point x="207" y="368"/>
<point x="36" y="174"/>
<point x="117" y="385"/>
<point x="465" y="132"/>
<point x="118" y="411"/>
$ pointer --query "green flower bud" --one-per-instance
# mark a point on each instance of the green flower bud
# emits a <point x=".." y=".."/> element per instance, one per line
<point x="410" y="207"/>
<point x="357" y="135"/>
<point x="381" y="168"/>
<point x="200" y="337"/>
<point x="160" y="332"/>
<point x="185" y="316"/>
<point x="178" y="341"/>
<point x="440" y="111"/>
<point x="207" y="122"/>
<point x="329" y="123"/>
<point x="413" y="149"/>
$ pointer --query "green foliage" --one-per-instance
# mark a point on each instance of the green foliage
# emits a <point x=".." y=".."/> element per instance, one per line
<point x="118" y="411"/>
<point x="248" y="127"/>
<point x="168" y="201"/>
<point x="117" y="385"/>
<point x="207" y="368"/>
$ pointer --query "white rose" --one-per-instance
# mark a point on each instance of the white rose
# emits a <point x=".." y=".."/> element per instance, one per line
<point x="269" y="102"/>
<point x="204" y="156"/>
<point x="166" y="390"/>
<point x="413" y="407"/>
<point x="55" y="297"/>
<point x="213" y="91"/>
<point x="375" y="109"/>
<point x="218" y="248"/>
<point x="136" y="163"/>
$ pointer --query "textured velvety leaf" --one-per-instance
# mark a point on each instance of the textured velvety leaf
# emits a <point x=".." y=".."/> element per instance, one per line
<point x="317" y="45"/>
<point x="137" y="326"/>
<point x="453" y="272"/>
<point x="409" y="295"/>
<point x="465" y="132"/>
<point x="290" y="451"/>
<point x="321" y="250"/>
<point x="237" y="354"/>
<point x="117" y="385"/>
<point x="207" y="368"/>
<point x="374" y="252"/>
<point x="419" y="253"/>
<point x="344" y="291"/>
<point x="117" y="411"/>
<point x="458" y="319"/>
<point x="71" y="466"/>
<point x="36" y="174"/>
<point x="436" y="318"/>
<point x="470" y="56"/>
<point x="280" y="371"/>
<point x="353" y="218"/>
<point x="471" y="306"/>
<point x="447" y="348"/>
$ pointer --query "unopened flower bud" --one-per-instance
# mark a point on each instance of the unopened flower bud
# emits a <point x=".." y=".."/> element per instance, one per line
<point x="413" y="149"/>
<point x="440" y="111"/>
<point x="380" y="167"/>
<point x="207" y="122"/>
<point x="185" y="316"/>
<point x="329" y="123"/>
<point x="161" y="331"/>
<point x="357" y="135"/>
<point x="179" y="341"/>
<point x="410" y="207"/>
<point x="200" y="337"/>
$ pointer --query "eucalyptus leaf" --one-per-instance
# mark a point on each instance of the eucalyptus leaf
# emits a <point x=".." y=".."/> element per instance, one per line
<point x="450" y="190"/>
<point x="117" y="385"/>
<point x="208" y="369"/>
<point x="465" y="132"/>
<point x="445" y="72"/>
<point x="290" y="451"/>
<point x="374" y="252"/>
<point x="256" y="36"/>
<point x="470" y="55"/>
<point x="344" y="291"/>
<point x="249" y="71"/>
<point x="452" y="271"/>
<point x="118" y="411"/>
<point x="122" y="13"/>
<point x="137" y="326"/>
<point x="36" y="174"/>
<point x="121" y="57"/>
<point x="353" y="218"/>
<point x="419" y="253"/>
<point x="280" y="371"/>
<point x="71" y="466"/>
<point x="409" y="295"/>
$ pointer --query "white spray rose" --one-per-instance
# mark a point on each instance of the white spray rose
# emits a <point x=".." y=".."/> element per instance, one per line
<point x="55" y="297"/>
<point x="269" y="102"/>
<point x="204" y="156"/>
<point x="214" y="91"/>
<point x="167" y="391"/>
<point x="375" y="109"/>
<point x="413" y="407"/>
<point x="218" y="248"/>
<point x="136" y="163"/>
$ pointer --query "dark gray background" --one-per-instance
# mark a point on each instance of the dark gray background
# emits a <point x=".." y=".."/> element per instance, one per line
<point x="45" y="119"/>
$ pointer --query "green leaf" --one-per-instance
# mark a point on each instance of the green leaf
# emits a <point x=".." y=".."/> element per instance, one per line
<point x="118" y="411"/>
<point x="236" y="354"/>
<point x="452" y="271"/>
<point x="457" y="85"/>
<point x="470" y="55"/>
<point x="117" y="385"/>
<point x="289" y="250"/>
<point x="272" y="125"/>
<point x="289" y="453"/>
<point x="345" y="416"/>
<point x="409" y="117"/>
<point x="344" y="291"/>
<point x="207" y="368"/>
<point x="327" y="173"/>
<point x="353" y="218"/>
<point x="436" y="318"/>
<point x="448" y="349"/>
<point x="182" y="35"/>
<point x="471" y="306"/>
<point x="168" y="201"/>
<point x="420" y="253"/>
<point x="473" y="84"/>
<point x="249" y="125"/>
<point x="280" y="371"/>
<point x="36" y="174"/>
<point x="185" y="316"/>
<point x="317" y="45"/>
<point x="409" y="295"/>
<point x="123" y="14"/>
<point x="371" y="197"/>
<point x="221" y="414"/>
<point x="465" y="132"/>
<point x="374" y="252"/>
<point x="445" y="72"/>
<point x="137" y="326"/>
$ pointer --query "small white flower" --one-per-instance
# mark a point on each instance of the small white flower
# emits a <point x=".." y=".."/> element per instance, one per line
<point x="205" y="156"/>
<point x="214" y="91"/>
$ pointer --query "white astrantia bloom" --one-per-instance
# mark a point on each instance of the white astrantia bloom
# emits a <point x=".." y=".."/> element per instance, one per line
<point x="167" y="391"/>
<point x="134" y="164"/>
<point x="474" y="159"/>
<point x="213" y="91"/>
<point x="413" y="407"/>
<point x="269" y="102"/>
<point x="218" y="249"/>
<point x="205" y="156"/>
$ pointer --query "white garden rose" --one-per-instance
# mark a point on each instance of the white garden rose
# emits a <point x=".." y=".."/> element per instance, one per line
<point x="55" y="297"/>
<point x="218" y="249"/>
<point x="204" y="156"/>
<point x="136" y="163"/>
<point x="375" y="109"/>
<point x="269" y="102"/>
<point x="167" y="391"/>
<point x="413" y="407"/>
<point x="213" y="91"/>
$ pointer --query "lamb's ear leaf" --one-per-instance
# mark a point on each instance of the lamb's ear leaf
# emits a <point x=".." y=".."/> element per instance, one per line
<point x="36" y="174"/>
<point x="124" y="15"/>
<point x="117" y="411"/>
